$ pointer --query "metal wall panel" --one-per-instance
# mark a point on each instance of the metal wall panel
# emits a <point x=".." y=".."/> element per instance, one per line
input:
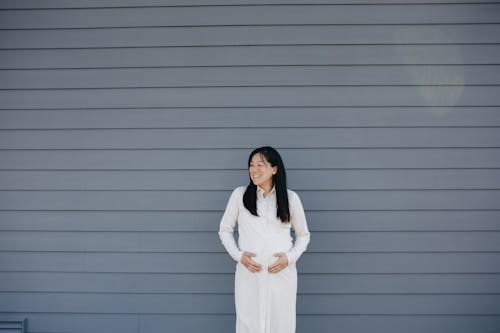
<point x="124" y="126"/>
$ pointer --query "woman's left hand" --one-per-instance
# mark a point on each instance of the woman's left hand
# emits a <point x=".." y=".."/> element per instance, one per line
<point x="279" y="264"/>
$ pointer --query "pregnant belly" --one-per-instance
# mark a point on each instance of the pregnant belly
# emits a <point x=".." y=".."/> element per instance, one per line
<point x="265" y="249"/>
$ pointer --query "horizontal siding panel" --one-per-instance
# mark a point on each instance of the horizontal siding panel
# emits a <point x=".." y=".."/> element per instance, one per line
<point x="56" y="4"/>
<point x="125" y="283"/>
<point x="436" y="262"/>
<point x="214" y="200"/>
<point x="251" y="15"/>
<point x="224" y="304"/>
<point x="249" y="117"/>
<point x="109" y="322"/>
<point x="398" y="323"/>
<point x="277" y="55"/>
<point x="224" y="283"/>
<point x="386" y="179"/>
<point x="118" y="221"/>
<point x="341" y="323"/>
<point x="123" y="242"/>
<point x="421" y="75"/>
<point x="253" y="97"/>
<point x="399" y="304"/>
<point x="251" y="35"/>
<point x="399" y="283"/>
<point x="65" y="322"/>
<point x="432" y="220"/>
<point x="235" y="159"/>
<point x="217" y="138"/>
<point x="225" y="323"/>
<point x="244" y="76"/>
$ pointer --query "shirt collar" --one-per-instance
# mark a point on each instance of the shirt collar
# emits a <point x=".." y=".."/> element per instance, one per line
<point x="261" y="190"/>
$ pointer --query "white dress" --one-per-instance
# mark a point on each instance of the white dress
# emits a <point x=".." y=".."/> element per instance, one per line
<point x="265" y="302"/>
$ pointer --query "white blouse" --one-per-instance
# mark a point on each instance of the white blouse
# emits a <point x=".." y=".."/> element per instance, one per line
<point x="264" y="234"/>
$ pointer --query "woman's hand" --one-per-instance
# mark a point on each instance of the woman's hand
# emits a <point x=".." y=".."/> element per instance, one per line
<point x="279" y="264"/>
<point x="252" y="266"/>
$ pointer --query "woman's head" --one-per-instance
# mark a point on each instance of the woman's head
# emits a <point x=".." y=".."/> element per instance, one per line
<point x="265" y="167"/>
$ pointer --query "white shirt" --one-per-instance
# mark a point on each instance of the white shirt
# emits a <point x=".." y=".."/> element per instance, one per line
<point x="264" y="234"/>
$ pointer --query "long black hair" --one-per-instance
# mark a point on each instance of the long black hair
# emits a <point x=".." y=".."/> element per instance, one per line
<point x="279" y="182"/>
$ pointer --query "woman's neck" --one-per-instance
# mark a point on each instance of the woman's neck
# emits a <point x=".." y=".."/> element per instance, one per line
<point x="267" y="187"/>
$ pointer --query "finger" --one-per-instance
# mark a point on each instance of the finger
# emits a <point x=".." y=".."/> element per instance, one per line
<point x="273" y="266"/>
<point x="252" y="261"/>
<point x="275" y="270"/>
<point x="255" y="263"/>
<point x="280" y="267"/>
<point x="256" y="267"/>
<point x="251" y="269"/>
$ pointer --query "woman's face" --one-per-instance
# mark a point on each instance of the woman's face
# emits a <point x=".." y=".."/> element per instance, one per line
<point x="261" y="171"/>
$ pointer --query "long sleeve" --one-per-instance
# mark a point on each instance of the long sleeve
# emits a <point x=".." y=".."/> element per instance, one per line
<point x="227" y="224"/>
<point x="299" y="224"/>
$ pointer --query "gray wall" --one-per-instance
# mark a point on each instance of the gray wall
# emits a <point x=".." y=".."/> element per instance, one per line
<point x="124" y="126"/>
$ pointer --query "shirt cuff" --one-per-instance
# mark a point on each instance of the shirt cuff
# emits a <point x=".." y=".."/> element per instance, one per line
<point x="238" y="256"/>
<point x="290" y="258"/>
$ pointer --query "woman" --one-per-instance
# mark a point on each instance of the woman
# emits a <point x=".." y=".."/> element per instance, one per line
<point x="266" y="275"/>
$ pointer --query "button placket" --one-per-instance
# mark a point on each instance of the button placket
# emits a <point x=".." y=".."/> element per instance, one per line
<point x="266" y="213"/>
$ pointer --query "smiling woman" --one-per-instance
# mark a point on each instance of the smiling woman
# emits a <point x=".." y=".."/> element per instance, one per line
<point x="266" y="275"/>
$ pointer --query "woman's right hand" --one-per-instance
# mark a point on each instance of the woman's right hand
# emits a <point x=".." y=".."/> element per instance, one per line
<point x="249" y="263"/>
